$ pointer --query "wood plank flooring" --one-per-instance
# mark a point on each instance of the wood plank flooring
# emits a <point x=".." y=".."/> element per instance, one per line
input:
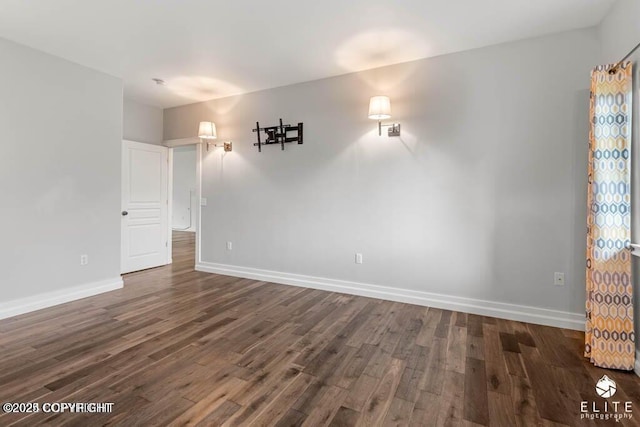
<point x="180" y="347"/>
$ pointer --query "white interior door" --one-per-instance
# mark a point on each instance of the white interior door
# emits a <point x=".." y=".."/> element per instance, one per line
<point x="145" y="209"/>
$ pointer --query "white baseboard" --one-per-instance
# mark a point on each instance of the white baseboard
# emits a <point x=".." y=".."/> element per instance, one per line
<point x="502" y="310"/>
<point x="40" y="301"/>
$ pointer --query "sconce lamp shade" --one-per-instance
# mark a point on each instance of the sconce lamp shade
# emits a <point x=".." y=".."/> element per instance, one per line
<point x="207" y="130"/>
<point x="379" y="108"/>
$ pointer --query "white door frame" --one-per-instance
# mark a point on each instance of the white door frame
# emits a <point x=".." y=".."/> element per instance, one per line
<point x="171" y="144"/>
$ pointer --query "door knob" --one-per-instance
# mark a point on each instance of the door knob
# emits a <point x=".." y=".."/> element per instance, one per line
<point x="125" y="213"/>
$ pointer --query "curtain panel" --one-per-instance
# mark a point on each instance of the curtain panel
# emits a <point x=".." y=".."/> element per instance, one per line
<point x="609" y="338"/>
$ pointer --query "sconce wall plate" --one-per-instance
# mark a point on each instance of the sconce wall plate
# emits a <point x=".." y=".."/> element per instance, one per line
<point x="394" y="130"/>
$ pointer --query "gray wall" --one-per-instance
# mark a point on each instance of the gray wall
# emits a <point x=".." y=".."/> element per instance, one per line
<point x="483" y="196"/>
<point x="619" y="32"/>
<point x="60" y="129"/>
<point x="142" y="123"/>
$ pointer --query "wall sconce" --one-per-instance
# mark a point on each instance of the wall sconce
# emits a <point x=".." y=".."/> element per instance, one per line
<point x="380" y="108"/>
<point x="207" y="132"/>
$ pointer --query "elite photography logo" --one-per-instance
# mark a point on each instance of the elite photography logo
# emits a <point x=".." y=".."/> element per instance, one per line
<point x="606" y="410"/>
<point x="606" y="387"/>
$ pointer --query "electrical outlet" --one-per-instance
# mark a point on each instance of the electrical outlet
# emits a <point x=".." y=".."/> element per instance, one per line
<point x="203" y="202"/>
<point x="358" y="258"/>
<point x="558" y="279"/>
<point x="84" y="259"/>
<point x="229" y="246"/>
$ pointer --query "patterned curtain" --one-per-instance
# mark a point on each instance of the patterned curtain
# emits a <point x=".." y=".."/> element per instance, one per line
<point x="609" y="340"/>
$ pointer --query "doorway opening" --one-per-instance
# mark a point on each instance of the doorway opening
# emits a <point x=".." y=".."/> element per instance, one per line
<point x="184" y="197"/>
<point x="161" y="198"/>
<point x="184" y="189"/>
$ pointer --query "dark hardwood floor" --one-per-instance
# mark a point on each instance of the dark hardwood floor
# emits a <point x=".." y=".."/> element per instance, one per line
<point x="180" y="347"/>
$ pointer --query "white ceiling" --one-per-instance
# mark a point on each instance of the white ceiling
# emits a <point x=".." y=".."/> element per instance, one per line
<point x="207" y="49"/>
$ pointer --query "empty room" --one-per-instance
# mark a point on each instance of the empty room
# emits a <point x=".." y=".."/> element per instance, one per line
<point x="296" y="213"/>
